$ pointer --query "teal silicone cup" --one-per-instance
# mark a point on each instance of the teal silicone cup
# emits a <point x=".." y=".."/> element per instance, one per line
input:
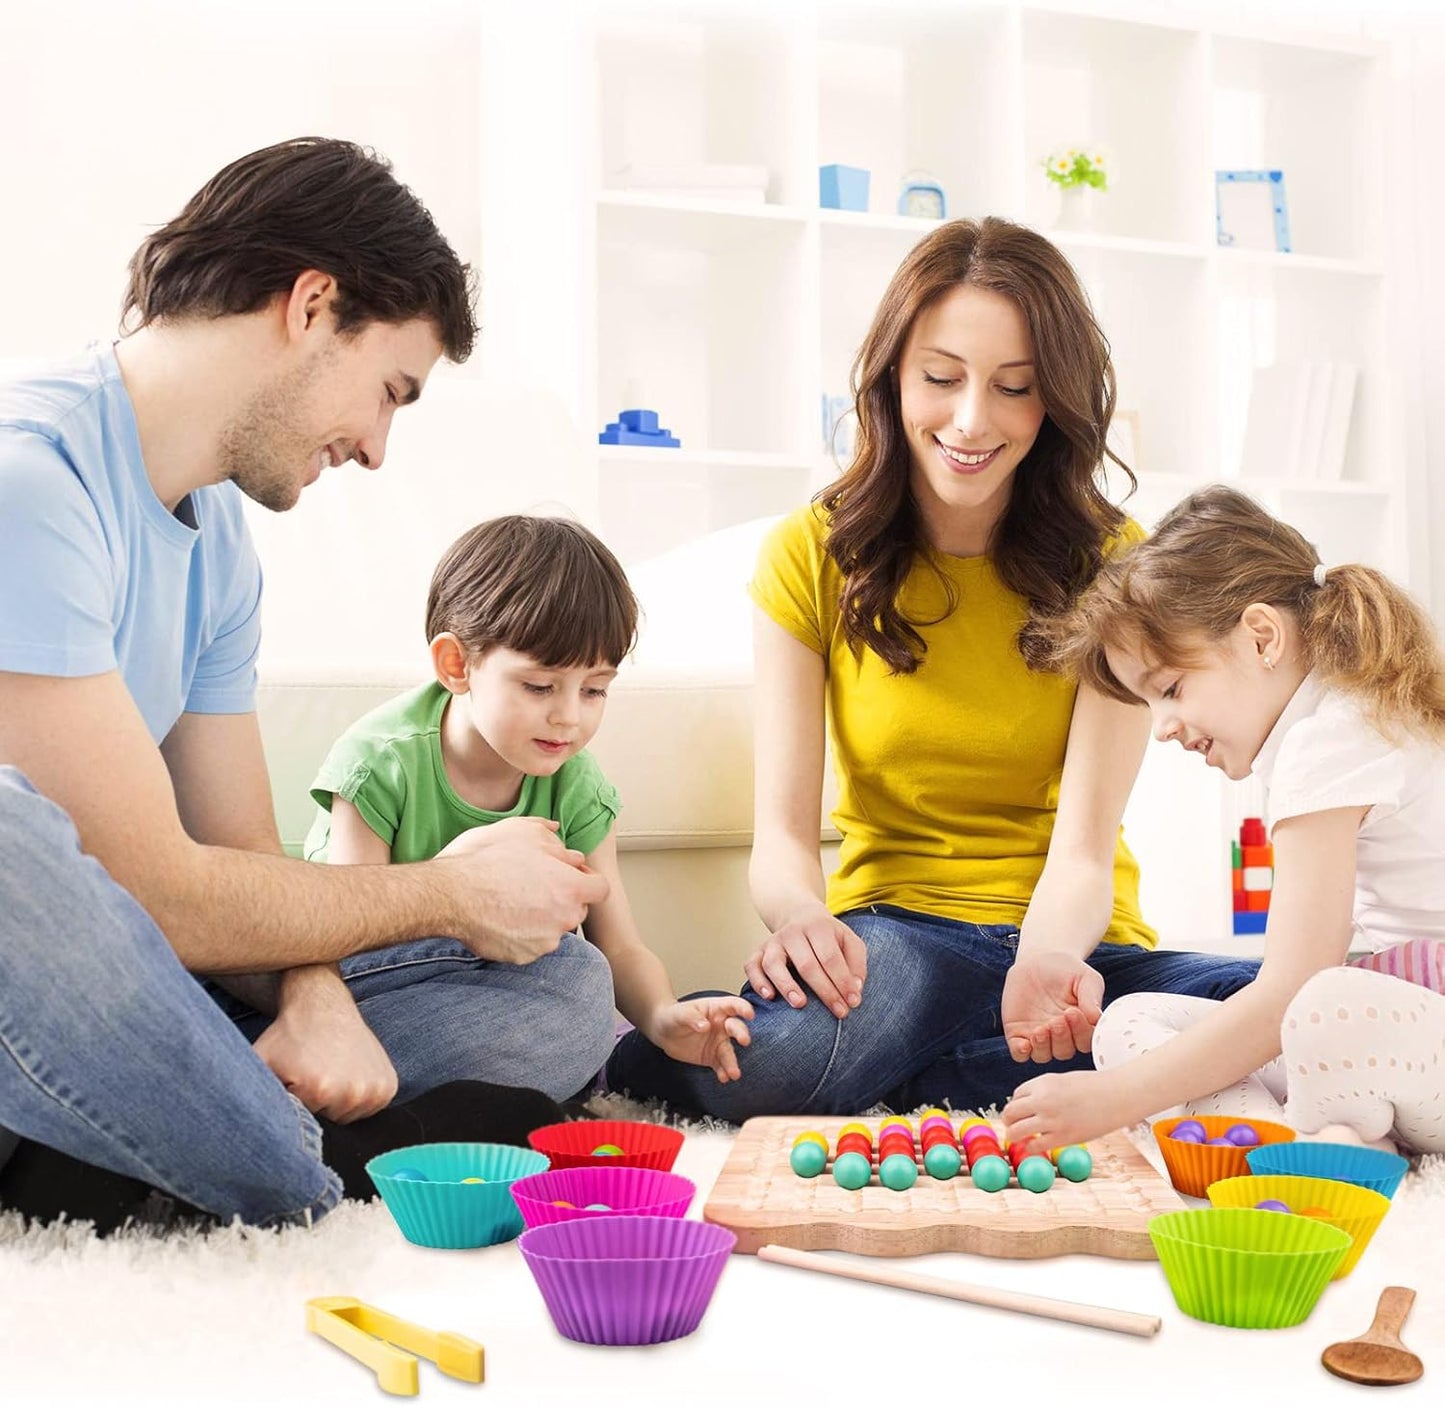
<point x="444" y="1212"/>
<point x="1340" y="1162"/>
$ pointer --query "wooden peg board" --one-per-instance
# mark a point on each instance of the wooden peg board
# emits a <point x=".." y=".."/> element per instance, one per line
<point x="761" y="1199"/>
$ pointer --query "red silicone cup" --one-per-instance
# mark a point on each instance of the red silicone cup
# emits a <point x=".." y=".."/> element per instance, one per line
<point x="643" y="1145"/>
<point x="625" y="1191"/>
<point x="627" y="1279"/>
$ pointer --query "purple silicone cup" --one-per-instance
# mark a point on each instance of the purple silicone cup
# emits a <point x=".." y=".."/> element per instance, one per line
<point x="627" y="1279"/>
<point x="626" y="1191"/>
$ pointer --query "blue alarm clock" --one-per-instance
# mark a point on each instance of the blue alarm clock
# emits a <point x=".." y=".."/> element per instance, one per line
<point x="922" y="198"/>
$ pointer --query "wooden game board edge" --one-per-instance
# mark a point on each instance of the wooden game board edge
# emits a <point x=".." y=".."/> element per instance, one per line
<point x="755" y="1228"/>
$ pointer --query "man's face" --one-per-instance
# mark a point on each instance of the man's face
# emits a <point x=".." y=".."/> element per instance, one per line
<point x="333" y="406"/>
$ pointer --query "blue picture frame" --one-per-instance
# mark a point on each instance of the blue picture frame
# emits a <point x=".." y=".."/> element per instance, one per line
<point x="1249" y="207"/>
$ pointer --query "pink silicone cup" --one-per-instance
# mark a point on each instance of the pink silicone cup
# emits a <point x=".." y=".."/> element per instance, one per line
<point x="627" y="1279"/>
<point x="625" y="1191"/>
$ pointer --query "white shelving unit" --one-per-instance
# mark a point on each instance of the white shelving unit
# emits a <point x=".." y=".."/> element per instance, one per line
<point x="733" y="320"/>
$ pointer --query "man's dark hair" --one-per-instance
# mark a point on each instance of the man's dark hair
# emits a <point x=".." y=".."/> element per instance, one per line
<point x="310" y="203"/>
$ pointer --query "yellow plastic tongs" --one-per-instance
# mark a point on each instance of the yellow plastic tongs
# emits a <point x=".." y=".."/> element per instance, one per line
<point x="390" y="1346"/>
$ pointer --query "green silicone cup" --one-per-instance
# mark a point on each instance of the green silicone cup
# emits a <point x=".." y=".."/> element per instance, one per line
<point x="1246" y="1268"/>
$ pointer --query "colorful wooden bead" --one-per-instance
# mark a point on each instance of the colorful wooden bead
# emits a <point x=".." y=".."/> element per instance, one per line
<point x="409" y="1175"/>
<point x="852" y="1170"/>
<point x="990" y="1173"/>
<point x="607" y="1150"/>
<point x="1074" y="1163"/>
<point x="1243" y="1136"/>
<point x="807" y="1159"/>
<point x="898" y="1173"/>
<point x="942" y="1161"/>
<point x="1036" y="1173"/>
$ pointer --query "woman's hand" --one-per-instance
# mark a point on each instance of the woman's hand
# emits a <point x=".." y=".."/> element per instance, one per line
<point x="702" y="1032"/>
<point x="823" y="951"/>
<point x="1051" y="1003"/>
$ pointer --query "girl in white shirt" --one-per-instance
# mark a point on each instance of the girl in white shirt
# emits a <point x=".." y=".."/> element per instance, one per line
<point x="1329" y="686"/>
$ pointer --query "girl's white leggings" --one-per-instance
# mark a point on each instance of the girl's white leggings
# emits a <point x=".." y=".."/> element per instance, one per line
<point x="1359" y="1048"/>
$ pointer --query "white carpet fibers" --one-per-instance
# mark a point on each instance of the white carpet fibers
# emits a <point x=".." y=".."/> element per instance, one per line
<point x="219" y="1318"/>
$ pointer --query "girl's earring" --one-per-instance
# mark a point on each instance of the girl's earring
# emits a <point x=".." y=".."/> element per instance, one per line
<point x="1269" y="661"/>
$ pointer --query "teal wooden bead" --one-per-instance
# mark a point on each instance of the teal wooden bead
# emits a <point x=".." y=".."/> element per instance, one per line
<point x="942" y="1161"/>
<point x="990" y="1173"/>
<point x="898" y="1172"/>
<point x="807" y="1159"/>
<point x="852" y="1170"/>
<point x="1075" y="1163"/>
<point x="1036" y="1173"/>
<point x="409" y="1175"/>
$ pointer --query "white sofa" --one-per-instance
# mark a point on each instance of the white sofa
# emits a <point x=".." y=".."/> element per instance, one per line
<point x="677" y="743"/>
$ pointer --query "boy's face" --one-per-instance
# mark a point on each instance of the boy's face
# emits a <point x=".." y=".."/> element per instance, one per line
<point x="532" y="716"/>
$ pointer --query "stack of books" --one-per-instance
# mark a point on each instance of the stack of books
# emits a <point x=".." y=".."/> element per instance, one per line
<point x="1299" y="420"/>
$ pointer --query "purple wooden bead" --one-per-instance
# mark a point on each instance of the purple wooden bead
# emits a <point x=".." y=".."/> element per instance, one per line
<point x="1242" y="1136"/>
<point x="1271" y="1205"/>
<point x="1219" y="1142"/>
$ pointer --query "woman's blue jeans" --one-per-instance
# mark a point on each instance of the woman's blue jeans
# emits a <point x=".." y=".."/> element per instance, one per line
<point x="927" y="1031"/>
<point x="112" y="1052"/>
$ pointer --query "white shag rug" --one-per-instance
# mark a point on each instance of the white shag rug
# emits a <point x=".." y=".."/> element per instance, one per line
<point x="219" y="1317"/>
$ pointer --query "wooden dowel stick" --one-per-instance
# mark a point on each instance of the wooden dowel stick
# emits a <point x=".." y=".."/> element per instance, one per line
<point x="1092" y="1316"/>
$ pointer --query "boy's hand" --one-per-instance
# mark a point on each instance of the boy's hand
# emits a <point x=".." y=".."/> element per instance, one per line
<point x="702" y="1032"/>
<point x="1071" y="1108"/>
<point x="822" y="950"/>
<point x="518" y="888"/>
<point x="1051" y="1003"/>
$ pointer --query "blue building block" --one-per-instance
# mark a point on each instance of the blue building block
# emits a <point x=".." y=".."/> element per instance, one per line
<point x="638" y="427"/>
<point x="1252" y="921"/>
<point x="843" y="187"/>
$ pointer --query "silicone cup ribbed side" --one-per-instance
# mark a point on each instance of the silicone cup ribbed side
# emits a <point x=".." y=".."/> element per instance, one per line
<point x="625" y="1191"/>
<point x="627" y="1279"/>
<point x="643" y="1145"/>
<point x="1244" y="1268"/>
<point x="444" y="1213"/>
<point x="1340" y="1162"/>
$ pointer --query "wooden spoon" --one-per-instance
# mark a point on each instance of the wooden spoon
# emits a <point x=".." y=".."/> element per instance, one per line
<point x="1378" y="1357"/>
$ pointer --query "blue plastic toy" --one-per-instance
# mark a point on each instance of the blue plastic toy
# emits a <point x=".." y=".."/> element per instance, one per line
<point x="843" y="187"/>
<point x="638" y="427"/>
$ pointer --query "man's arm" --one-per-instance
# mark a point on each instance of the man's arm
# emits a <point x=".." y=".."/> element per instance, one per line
<point x="318" y="1046"/>
<point x="81" y="741"/>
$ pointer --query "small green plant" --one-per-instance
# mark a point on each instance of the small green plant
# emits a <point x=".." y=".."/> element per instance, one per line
<point x="1077" y="166"/>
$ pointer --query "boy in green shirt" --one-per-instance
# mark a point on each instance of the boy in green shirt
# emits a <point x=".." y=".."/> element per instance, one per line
<point x="528" y="620"/>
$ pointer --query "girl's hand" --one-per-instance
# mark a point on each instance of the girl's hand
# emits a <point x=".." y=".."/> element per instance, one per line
<point x="1061" y="1109"/>
<point x="824" y="952"/>
<point x="702" y="1032"/>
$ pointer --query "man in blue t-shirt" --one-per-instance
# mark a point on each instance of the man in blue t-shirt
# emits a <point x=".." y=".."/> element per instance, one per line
<point x="278" y="322"/>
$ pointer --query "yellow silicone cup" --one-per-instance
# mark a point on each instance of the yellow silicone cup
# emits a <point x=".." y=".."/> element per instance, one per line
<point x="1357" y="1211"/>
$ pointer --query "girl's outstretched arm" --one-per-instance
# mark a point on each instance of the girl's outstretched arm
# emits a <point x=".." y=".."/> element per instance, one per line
<point x="1309" y="930"/>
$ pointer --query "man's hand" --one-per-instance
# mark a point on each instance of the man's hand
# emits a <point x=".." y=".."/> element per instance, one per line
<point x="825" y="953"/>
<point x="1051" y="1003"/>
<point x="702" y="1032"/>
<point x="518" y="889"/>
<point x="322" y="1050"/>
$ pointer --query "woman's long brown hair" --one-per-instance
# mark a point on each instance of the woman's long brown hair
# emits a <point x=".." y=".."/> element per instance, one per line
<point x="1050" y="540"/>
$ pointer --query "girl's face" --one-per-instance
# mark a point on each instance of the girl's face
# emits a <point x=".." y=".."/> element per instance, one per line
<point x="534" y="717"/>
<point x="1222" y="707"/>
<point x="971" y="411"/>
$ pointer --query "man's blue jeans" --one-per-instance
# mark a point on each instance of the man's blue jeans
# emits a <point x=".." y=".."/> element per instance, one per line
<point x="112" y="1052"/>
<point x="928" y="1030"/>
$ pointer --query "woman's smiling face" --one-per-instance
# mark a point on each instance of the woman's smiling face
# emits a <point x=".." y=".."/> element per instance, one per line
<point x="971" y="411"/>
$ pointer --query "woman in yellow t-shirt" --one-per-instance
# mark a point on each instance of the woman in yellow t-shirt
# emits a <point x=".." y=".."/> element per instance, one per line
<point x="984" y="908"/>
